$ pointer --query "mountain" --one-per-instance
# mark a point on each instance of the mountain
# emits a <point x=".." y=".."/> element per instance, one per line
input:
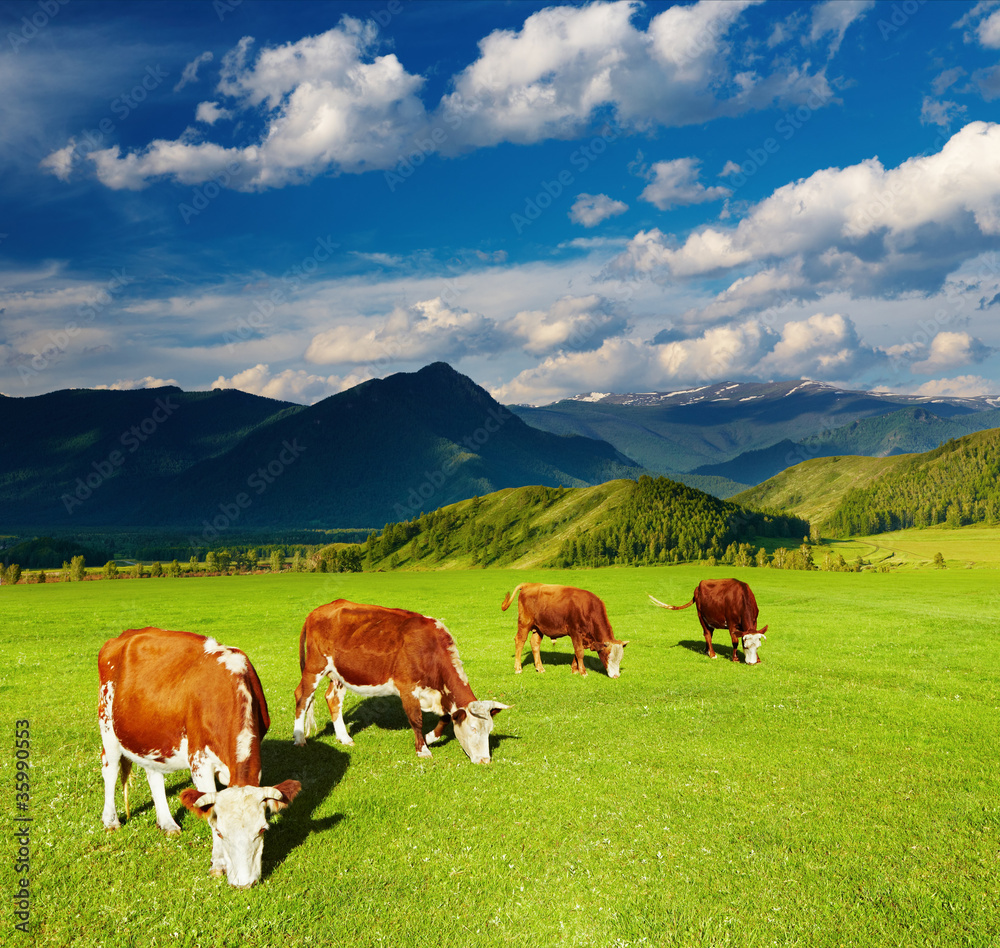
<point x="622" y="522"/>
<point x="697" y="431"/>
<point x="957" y="482"/>
<point x="211" y="462"/>
<point x="907" y="431"/>
<point x="81" y="456"/>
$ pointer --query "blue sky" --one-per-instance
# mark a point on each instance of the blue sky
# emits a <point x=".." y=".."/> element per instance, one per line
<point x="291" y="198"/>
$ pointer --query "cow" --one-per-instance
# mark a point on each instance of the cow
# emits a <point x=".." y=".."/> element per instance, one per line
<point x="548" y="609"/>
<point x="724" y="604"/>
<point x="179" y="701"/>
<point x="375" y="650"/>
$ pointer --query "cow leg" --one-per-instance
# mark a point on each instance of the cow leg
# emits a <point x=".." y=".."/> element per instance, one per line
<point x="708" y="639"/>
<point x="536" y="650"/>
<point x="414" y="714"/>
<point x="158" y="790"/>
<point x="305" y="694"/>
<point x="335" y="702"/>
<point x="519" y="639"/>
<point x="111" y="754"/>
<point x="734" y="634"/>
<point x="431" y="736"/>
<point x="578" y="667"/>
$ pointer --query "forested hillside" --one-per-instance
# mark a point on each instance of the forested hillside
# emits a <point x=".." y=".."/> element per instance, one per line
<point x="957" y="483"/>
<point x="624" y="522"/>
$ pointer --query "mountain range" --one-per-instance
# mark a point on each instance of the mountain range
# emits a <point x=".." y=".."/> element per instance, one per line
<point x="208" y="463"/>
<point x="726" y="437"/>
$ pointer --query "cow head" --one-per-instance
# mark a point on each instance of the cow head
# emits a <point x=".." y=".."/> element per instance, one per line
<point x="610" y="654"/>
<point x="473" y="725"/>
<point x="751" y="642"/>
<point x="238" y="818"/>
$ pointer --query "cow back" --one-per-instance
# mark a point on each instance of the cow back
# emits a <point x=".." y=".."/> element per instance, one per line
<point x="171" y="685"/>
<point x="566" y="610"/>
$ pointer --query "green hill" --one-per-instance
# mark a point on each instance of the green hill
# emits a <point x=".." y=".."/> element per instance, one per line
<point x="957" y="482"/>
<point x="622" y="522"/>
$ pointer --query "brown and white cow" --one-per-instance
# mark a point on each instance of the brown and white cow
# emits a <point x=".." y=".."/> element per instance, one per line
<point x="548" y="609"/>
<point x="724" y="604"/>
<point x="174" y="701"/>
<point x="374" y="650"/>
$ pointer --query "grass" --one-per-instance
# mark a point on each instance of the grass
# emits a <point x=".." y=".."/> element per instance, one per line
<point x="844" y="791"/>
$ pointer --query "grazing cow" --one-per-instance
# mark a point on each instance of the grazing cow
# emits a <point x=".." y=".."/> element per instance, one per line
<point x="174" y="701"/>
<point x="724" y="604"/>
<point x="547" y="609"/>
<point x="372" y="650"/>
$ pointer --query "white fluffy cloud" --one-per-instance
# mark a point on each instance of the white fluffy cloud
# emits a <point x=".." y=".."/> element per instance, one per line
<point x="590" y="209"/>
<point x="579" y="323"/>
<point x="675" y="184"/>
<point x="291" y="385"/>
<point x="428" y="329"/>
<point x="949" y="350"/>
<point x="865" y="229"/>
<point x="962" y="386"/>
<point x="331" y="104"/>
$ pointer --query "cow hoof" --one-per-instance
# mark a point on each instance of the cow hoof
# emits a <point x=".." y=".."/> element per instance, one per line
<point x="111" y="827"/>
<point x="517" y="671"/>
<point x="541" y="671"/>
<point x="216" y="872"/>
<point x="170" y="830"/>
<point x="424" y="752"/>
<point x="347" y="743"/>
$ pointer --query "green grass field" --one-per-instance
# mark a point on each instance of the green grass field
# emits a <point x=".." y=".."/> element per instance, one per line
<point x="846" y="791"/>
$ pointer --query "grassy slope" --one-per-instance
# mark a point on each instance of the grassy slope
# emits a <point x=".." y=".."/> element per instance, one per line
<point x="813" y="488"/>
<point x="847" y="785"/>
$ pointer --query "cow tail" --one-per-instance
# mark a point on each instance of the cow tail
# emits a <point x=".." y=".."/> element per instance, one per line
<point x="125" y="774"/>
<point x="663" y="605"/>
<point x="302" y="649"/>
<point x="511" y="596"/>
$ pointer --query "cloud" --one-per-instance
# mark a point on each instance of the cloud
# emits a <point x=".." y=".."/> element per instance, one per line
<point x="580" y="323"/>
<point x="210" y="113"/>
<point x="331" y="105"/>
<point x="833" y="17"/>
<point x="864" y="229"/>
<point x="590" y="209"/>
<point x="675" y="184"/>
<point x="962" y="386"/>
<point x="60" y="162"/>
<point x="943" y="113"/>
<point x="291" y="385"/>
<point x="428" y="329"/>
<point x="950" y="350"/>
<point x="822" y="347"/>
<point x="128" y="385"/>
<point x="190" y="73"/>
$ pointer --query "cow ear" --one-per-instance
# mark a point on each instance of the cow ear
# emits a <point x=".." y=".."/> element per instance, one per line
<point x="289" y="790"/>
<point x="495" y="708"/>
<point x="459" y="716"/>
<point x="762" y="631"/>
<point x="190" y="798"/>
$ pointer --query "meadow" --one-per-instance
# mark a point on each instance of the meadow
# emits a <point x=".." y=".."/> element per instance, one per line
<point x="845" y="791"/>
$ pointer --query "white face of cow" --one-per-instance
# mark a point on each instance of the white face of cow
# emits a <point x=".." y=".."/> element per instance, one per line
<point x="751" y="642"/>
<point x="238" y="818"/>
<point x="473" y="725"/>
<point x="611" y="657"/>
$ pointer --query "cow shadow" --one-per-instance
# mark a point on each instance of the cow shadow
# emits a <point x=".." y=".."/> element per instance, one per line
<point x="319" y="768"/>
<point x="592" y="662"/>
<point x="698" y="646"/>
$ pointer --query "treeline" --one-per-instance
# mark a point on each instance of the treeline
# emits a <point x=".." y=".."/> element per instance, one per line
<point x="649" y="521"/>
<point x="666" y="522"/>
<point x="958" y="483"/>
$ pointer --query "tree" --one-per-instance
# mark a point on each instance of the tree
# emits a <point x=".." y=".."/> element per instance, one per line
<point x="156" y="569"/>
<point x="939" y="562"/>
<point x="277" y="561"/>
<point x="12" y="575"/>
<point x="77" y="569"/>
<point x="174" y="569"/>
<point x="110" y="570"/>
